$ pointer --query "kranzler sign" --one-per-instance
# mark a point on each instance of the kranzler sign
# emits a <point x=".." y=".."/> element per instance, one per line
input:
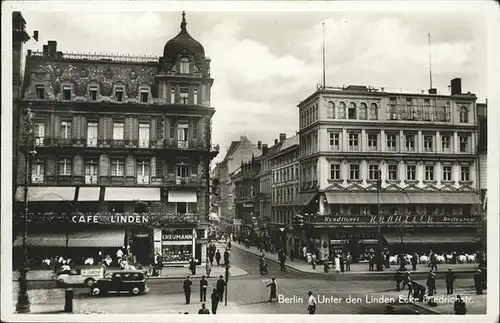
<point x="392" y="219"/>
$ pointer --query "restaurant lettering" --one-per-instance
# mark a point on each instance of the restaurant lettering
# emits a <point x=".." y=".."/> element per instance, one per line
<point x="171" y="237"/>
<point x="391" y="219"/>
<point x="132" y="219"/>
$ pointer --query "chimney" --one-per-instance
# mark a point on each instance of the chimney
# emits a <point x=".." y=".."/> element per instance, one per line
<point x="275" y="141"/>
<point x="52" y="48"/>
<point x="432" y="91"/>
<point x="456" y="86"/>
<point x="45" y="50"/>
<point x="282" y="137"/>
<point x="259" y="145"/>
<point x="243" y="138"/>
<point x="29" y="52"/>
<point x="264" y="149"/>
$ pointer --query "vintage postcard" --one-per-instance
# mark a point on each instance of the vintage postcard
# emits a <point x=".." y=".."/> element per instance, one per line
<point x="293" y="159"/>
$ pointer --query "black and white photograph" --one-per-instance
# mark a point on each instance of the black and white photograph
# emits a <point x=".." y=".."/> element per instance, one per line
<point x="252" y="158"/>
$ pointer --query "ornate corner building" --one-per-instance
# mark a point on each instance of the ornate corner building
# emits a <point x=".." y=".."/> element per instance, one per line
<point x="122" y="151"/>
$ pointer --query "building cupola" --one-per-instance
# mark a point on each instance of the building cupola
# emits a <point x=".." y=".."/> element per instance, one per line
<point x="183" y="45"/>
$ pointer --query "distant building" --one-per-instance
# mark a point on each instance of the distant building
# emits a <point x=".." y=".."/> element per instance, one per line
<point x="246" y="190"/>
<point x="482" y="114"/>
<point x="422" y="146"/>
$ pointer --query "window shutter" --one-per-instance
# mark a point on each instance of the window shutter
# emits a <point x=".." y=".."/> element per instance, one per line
<point x="152" y="129"/>
<point x="51" y="166"/>
<point x="129" y="166"/>
<point x="78" y="166"/>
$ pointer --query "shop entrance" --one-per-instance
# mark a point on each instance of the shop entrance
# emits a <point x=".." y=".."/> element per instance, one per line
<point x="197" y="253"/>
<point x="141" y="249"/>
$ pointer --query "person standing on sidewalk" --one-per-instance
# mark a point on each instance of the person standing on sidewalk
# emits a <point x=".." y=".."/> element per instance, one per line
<point x="414" y="260"/>
<point x="215" y="301"/>
<point x="348" y="262"/>
<point x="226" y="257"/>
<point x="211" y="256"/>
<point x="311" y="303"/>
<point x="221" y="284"/>
<point x="398" y="278"/>
<point x="192" y="266"/>
<point x="342" y="262"/>
<point x="337" y="263"/>
<point x="313" y="261"/>
<point x="459" y="306"/>
<point x="478" y="282"/>
<point x="208" y="268"/>
<point x="304" y="252"/>
<point x="187" y="289"/>
<point x="450" y="279"/>
<point x="203" y="289"/>
<point x="217" y="257"/>
<point x="431" y="283"/>
<point x="273" y="292"/>
<point x="203" y="310"/>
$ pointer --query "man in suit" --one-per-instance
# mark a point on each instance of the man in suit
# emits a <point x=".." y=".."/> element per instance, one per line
<point x="187" y="289"/>
<point x="203" y="289"/>
<point x="221" y="284"/>
<point x="226" y="257"/>
<point x="215" y="301"/>
<point x="450" y="279"/>
<point x="203" y="310"/>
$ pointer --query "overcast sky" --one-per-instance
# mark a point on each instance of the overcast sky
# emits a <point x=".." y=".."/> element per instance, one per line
<point x="264" y="63"/>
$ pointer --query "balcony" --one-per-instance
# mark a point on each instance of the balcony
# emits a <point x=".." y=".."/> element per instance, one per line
<point x="185" y="144"/>
<point x="142" y="179"/>
<point x="40" y="141"/>
<point x="172" y="180"/>
<point x="91" y="142"/>
<point x="62" y="142"/>
<point x="37" y="179"/>
<point x="91" y="179"/>
<point x="117" y="143"/>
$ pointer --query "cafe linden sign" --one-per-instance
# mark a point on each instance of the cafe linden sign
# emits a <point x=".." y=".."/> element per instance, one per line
<point x="128" y="219"/>
<point x="393" y="219"/>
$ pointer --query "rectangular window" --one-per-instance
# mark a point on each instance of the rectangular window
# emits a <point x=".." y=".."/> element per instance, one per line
<point x="118" y="131"/>
<point x="409" y="101"/>
<point x="64" y="167"/>
<point x="144" y="95"/>
<point x="372" y="141"/>
<point x="410" y="142"/>
<point x="40" y="91"/>
<point x="428" y="143"/>
<point x="334" y="171"/>
<point x="465" y="173"/>
<point x="119" y="94"/>
<point x="446" y="143"/>
<point x="37" y="171"/>
<point x="182" y="135"/>
<point x="182" y="171"/>
<point x="354" y="171"/>
<point x="411" y="172"/>
<point x="172" y="96"/>
<point x="66" y="92"/>
<point x="142" y="172"/>
<point x="429" y="173"/>
<point x="391" y="142"/>
<point x="427" y="102"/>
<point x="65" y="130"/>
<point x="447" y="173"/>
<point x="184" y="96"/>
<point x="181" y="207"/>
<point x="92" y="134"/>
<point x="117" y="167"/>
<point x="143" y="135"/>
<point x="373" y="172"/>
<point x="334" y="141"/>
<point x="39" y="132"/>
<point x="393" y="172"/>
<point x="93" y="93"/>
<point x="353" y="141"/>
<point x="464" y="144"/>
<point x="195" y="97"/>
<point x="91" y="171"/>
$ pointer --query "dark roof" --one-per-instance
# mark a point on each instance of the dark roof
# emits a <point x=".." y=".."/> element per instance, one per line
<point x="273" y="150"/>
<point x="183" y="41"/>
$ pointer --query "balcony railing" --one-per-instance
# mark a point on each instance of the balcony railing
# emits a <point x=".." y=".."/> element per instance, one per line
<point x="91" y="142"/>
<point x="37" y="179"/>
<point x="117" y="143"/>
<point x="63" y="142"/>
<point x="185" y="144"/>
<point x="91" y="179"/>
<point x="177" y="180"/>
<point x="40" y="141"/>
<point x="143" y="143"/>
<point x="182" y="144"/>
<point x="142" y="179"/>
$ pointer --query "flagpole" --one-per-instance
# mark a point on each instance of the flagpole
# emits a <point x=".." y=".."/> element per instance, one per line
<point x="324" y="64"/>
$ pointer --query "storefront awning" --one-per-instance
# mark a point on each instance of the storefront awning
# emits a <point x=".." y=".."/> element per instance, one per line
<point x="47" y="193"/>
<point x="132" y="194"/>
<point x="435" y="238"/>
<point x="42" y="240"/>
<point x="366" y="198"/>
<point x="89" y="193"/>
<point x="304" y="199"/>
<point x="182" y="196"/>
<point x="93" y="239"/>
<point x="444" y="198"/>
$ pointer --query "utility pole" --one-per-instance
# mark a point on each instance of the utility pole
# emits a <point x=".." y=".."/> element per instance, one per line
<point x="380" y="247"/>
<point x="227" y="280"/>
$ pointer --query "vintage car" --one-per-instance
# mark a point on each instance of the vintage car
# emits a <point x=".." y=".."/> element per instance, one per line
<point x="132" y="282"/>
<point x="87" y="276"/>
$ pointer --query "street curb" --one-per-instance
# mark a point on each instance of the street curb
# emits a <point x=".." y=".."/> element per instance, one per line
<point x="427" y="308"/>
<point x="352" y="273"/>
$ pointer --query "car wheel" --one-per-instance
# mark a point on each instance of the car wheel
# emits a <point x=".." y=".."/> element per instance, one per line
<point x="136" y="290"/>
<point x="89" y="282"/>
<point x="95" y="291"/>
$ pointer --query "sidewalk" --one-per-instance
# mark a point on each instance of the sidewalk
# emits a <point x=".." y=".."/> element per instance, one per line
<point x="356" y="268"/>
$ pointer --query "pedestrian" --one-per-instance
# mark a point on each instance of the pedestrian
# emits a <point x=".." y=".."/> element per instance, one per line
<point x="211" y="257"/>
<point x="282" y="262"/>
<point x="450" y="279"/>
<point x="414" y="260"/>
<point x="217" y="257"/>
<point x="459" y="306"/>
<point x="407" y="280"/>
<point x="208" y="268"/>
<point x="313" y="261"/>
<point x="337" y="263"/>
<point x="192" y="266"/>
<point x="215" y="301"/>
<point x="431" y="283"/>
<point x="273" y="290"/>
<point x="226" y="257"/>
<point x="398" y="278"/>
<point x="371" y="263"/>
<point x="387" y="260"/>
<point x="203" y="310"/>
<point x="304" y="252"/>
<point x="342" y="262"/>
<point x="203" y="289"/>
<point x="292" y="255"/>
<point x="433" y="260"/>
<point x="187" y="289"/>
<point x="311" y="303"/>
<point x="220" y="285"/>
<point x="478" y="282"/>
<point x="348" y="262"/>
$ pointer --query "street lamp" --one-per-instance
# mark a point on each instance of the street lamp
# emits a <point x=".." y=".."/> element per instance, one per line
<point x="380" y="247"/>
<point x="227" y="279"/>
<point x="23" y="302"/>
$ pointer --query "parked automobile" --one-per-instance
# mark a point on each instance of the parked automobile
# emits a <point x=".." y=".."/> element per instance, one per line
<point x="87" y="276"/>
<point x="132" y="282"/>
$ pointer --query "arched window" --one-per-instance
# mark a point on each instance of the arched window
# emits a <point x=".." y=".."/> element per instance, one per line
<point x="184" y="65"/>
<point x="373" y="111"/>
<point x="341" y="114"/>
<point x="330" y="110"/>
<point x="352" y="113"/>
<point x="464" y="114"/>
<point x="363" y="111"/>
